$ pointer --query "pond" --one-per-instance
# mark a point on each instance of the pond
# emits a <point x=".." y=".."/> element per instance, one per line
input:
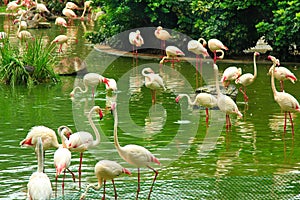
<point x="254" y="159"/>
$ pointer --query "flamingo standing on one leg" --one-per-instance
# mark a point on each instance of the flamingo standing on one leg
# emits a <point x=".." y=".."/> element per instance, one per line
<point x="136" y="40"/>
<point x="162" y="35"/>
<point x="225" y="103"/>
<point x="91" y="79"/>
<point x="62" y="157"/>
<point x="172" y="52"/>
<point x="248" y="78"/>
<point x="70" y="14"/>
<point x="198" y="48"/>
<point x="202" y="99"/>
<point x="282" y="73"/>
<point x="106" y="170"/>
<point x="82" y="141"/>
<point x="287" y="102"/>
<point x="60" y="39"/>
<point x="153" y="82"/>
<point x="134" y="154"/>
<point x="39" y="185"/>
<point x="215" y="46"/>
<point x="230" y="74"/>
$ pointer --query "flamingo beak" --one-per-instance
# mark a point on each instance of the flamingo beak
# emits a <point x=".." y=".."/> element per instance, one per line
<point x="100" y="114"/>
<point x="126" y="171"/>
<point x="177" y="99"/>
<point x="106" y="81"/>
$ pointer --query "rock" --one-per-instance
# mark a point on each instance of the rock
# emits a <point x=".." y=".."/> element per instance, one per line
<point x="230" y="91"/>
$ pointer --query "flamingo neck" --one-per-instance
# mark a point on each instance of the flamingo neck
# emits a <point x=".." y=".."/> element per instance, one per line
<point x="189" y="99"/>
<point x="40" y="155"/>
<point x="116" y="140"/>
<point x="216" y="78"/>
<point x="254" y="66"/>
<point x="272" y="80"/>
<point x="97" y="141"/>
<point x="80" y="89"/>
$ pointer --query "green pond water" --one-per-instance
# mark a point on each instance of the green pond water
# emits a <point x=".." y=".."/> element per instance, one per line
<point x="254" y="159"/>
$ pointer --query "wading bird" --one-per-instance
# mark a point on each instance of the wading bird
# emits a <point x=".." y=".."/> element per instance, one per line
<point x="248" y="78"/>
<point x="60" y="39"/>
<point x="162" y="35"/>
<point x="216" y="46"/>
<point x="106" y="170"/>
<point x="82" y="141"/>
<point x="225" y="103"/>
<point x="172" y="52"/>
<point x="230" y="74"/>
<point x="39" y="185"/>
<point x="197" y="47"/>
<point x="136" y="40"/>
<point x="134" y="154"/>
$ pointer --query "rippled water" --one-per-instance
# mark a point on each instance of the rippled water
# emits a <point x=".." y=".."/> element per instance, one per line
<point x="197" y="161"/>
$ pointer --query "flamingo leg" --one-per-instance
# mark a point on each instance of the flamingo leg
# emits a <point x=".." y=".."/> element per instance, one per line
<point x="55" y="186"/>
<point x="284" y="126"/>
<point x="207" y="116"/>
<point x="73" y="175"/>
<point x="197" y="58"/>
<point x="138" y="189"/>
<point x="79" y="170"/>
<point x="63" y="183"/>
<point x="60" y="48"/>
<point x="156" y="173"/>
<point x="292" y="124"/>
<point x="103" y="197"/>
<point x="153" y="94"/>
<point x="115" y="190"/>
<point x="215" y="57"/>
<point x="281" y="86"/>
<point x="244" y="93"/>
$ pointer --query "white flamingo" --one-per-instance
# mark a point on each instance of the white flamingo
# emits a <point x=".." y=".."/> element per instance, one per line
<point x="287" y="102"/>
<point x="248" y="78"/>
<point x="60" y="39"/>
<point x="163" y="36"/>
<point x="39" y="185"/>
<point x="172" y="52"/>
<point x="202" y="99"/>
<point x="136" y="40"/>
<point x="153" y="82"/>
<point x="70" y="14"/>
<point x="106" y="170"/>
<point x="72" y="6"/>
<point x="134" y="154"/>
<point x="62" y="157"/>
<point x="23" y="35"/>
<point x="216" y="46"/>
<point x="87" y="6"/>
<point x="230" y="74"/>
<point x="197" y="47"/>
<point x="225" y="103"/>
<point x="61" y="22"/>
<point x="82" y="141"/>
<point x="281" y="73"/>
<point x="90" y="80"/>
<point x="112" y="85"/>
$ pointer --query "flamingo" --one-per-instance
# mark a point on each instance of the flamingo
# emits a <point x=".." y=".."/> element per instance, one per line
<point x="47" y="135"/>
<point x="41" y="7"/>
<point x="70" y="14"/>
<point x="112" y="85"/>
<point x="3" y="35"/>
<point x="90" y="79"/>
<point x="202" y="99"/>
<point x="60" y="39"/>
<point x="216" y="46"/>
<point x="72" y="6"/>
<point x="287" y="102"/>
<point x="172" y="52"/>
<point x="134" y="154"/>
<point x="23" y="35"/>
<point x="230" y="74"/>
<point x="225" y="103"/>
<point x="61" y="22"/>
<point x="153" y="82"/>
<point x="136" y="40"/>
<point x="198" y="48"/>
<point x="62" y="157"/>
<point x="281" y="73"/>
<point x="87" y="4"/>
<point x="12" y="6"/>
<point x="39" y="185"/>
<point x="82" y="141"/>
<point x="162" y="35"/>
<point x="248" y="78"/>
<point x="106" y="170"/>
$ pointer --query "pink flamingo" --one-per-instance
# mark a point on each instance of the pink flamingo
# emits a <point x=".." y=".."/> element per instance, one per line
<point x="202" y="99"/>
<point x="62" y="157"/>
<point x="153" y="82"/>
<point x="39" y="185"/>
<point x="197" y="47"/>
<point x="230" y="74"/>
<point x="172" y="52"/>
<point x="70" y="14"/>
<point x="287" y="102"/>
<point x="134" y="154"/>
<point x="60" y="39"/>
<point x="87" y="6"/>
<point x="106" y="170"/>
<point x="82" y="141"/>
<point x="162" y="35"/>
<point x="248" y="78"/>
<point x="91" y="79"/>
<point x="136" y="40"/>
<point x="215" y="46"/>
<point x="225" y="103"/>
<point x="61" y="22"/>
<point x="72" y="6"/>
<point x="281" y="73"/>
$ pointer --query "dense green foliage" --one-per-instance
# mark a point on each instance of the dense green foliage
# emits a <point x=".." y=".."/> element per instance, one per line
<point x="30" y="64"/>
<point x="238" y="24"/>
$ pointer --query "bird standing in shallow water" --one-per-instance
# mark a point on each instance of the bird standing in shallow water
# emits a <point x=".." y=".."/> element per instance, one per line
<point x="60" y="39"/>
<point x="172" y="52"/>
<point x="134" y="154"/>
<point x="216" y="46"/>
<point x="106" y="170"/>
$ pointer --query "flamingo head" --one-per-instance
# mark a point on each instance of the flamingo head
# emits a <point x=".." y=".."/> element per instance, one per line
<point x="159" y="28"/>
<point x="106" y="81"/>
<point x="178" y="98"/>
<point x="274" y="60"/>
<point x="256" y="54"/>
<point x="64" y="130"/>
<point x="99" y="111"/>
<point x="126" y="171"/>
<point x="149" y="70"/>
